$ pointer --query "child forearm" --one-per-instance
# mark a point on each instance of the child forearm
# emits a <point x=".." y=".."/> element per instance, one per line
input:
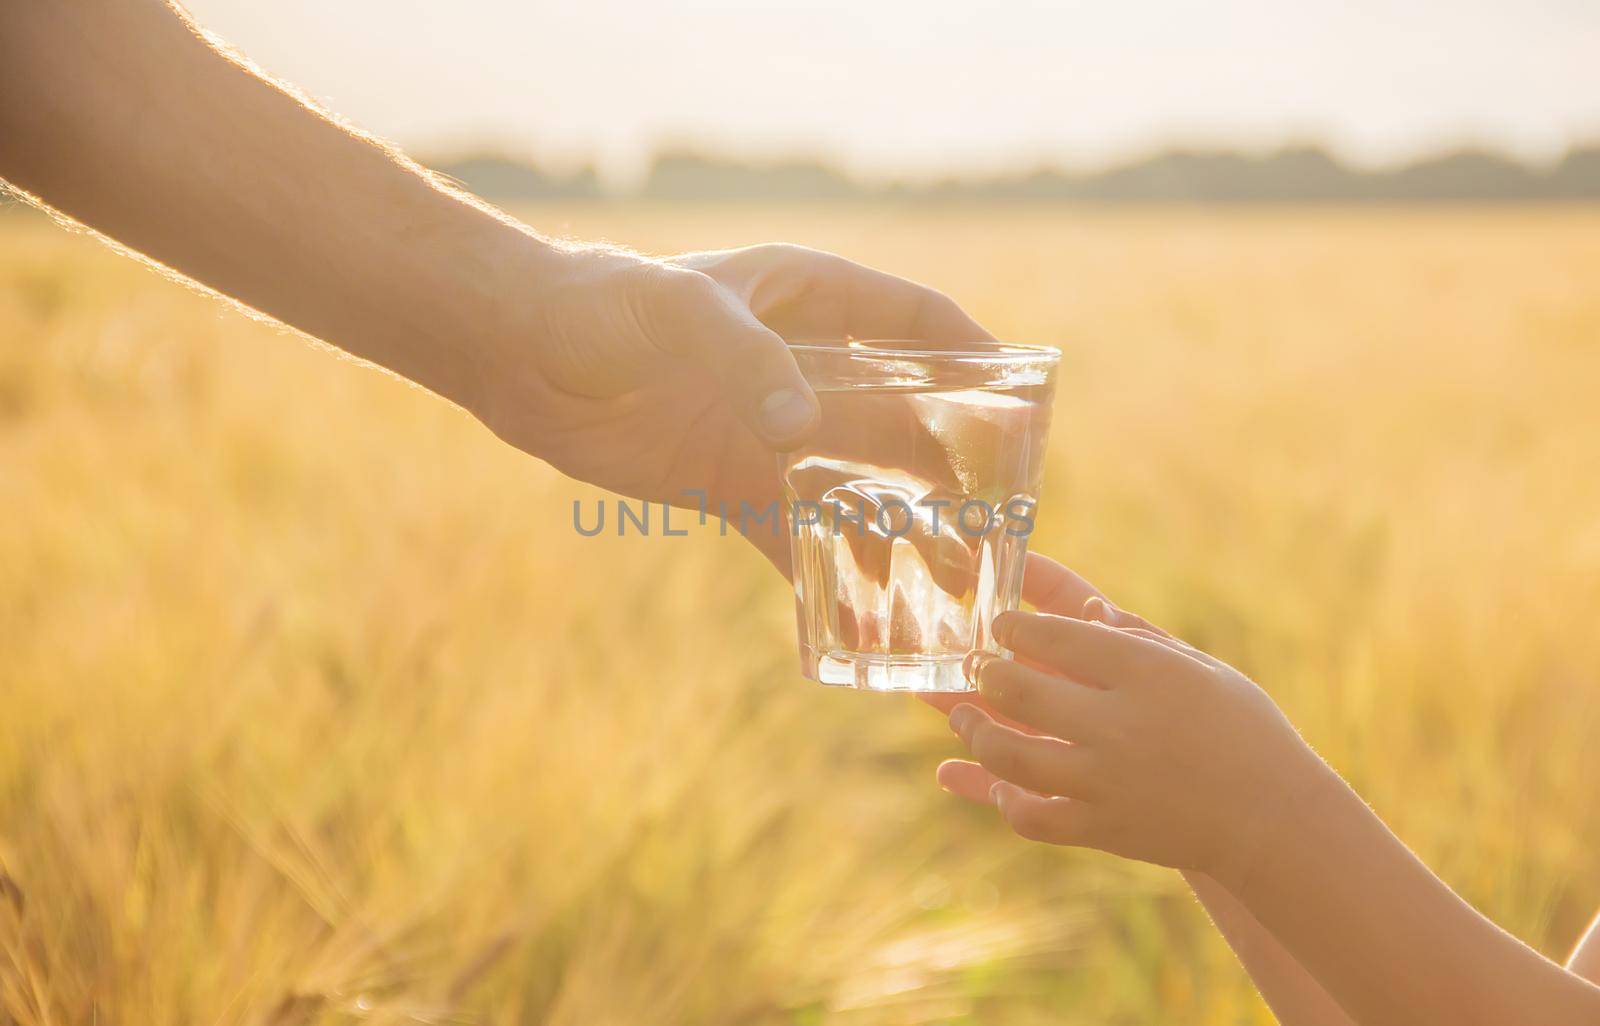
<point x="1388" y="940"/>
<point x="1293" y="994"/>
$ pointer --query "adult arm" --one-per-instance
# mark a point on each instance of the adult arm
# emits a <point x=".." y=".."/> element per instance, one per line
<point x="665" y="379"/>
<point x="121" y="115"/>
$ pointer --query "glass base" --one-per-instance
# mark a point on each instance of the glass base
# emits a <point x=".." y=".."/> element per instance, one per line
<point x="886" y="672"/>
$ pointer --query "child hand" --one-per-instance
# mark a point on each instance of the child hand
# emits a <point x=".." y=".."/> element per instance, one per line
<point x="1141" y="745"/>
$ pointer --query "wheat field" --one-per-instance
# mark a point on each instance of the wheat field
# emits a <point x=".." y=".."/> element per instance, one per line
<point x="315" y="709"/>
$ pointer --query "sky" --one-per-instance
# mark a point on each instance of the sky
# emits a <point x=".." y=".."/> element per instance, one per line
<point x="926" y="88"/>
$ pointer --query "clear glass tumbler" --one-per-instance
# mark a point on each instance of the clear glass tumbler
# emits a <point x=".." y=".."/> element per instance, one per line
<point x="910" y="510"/>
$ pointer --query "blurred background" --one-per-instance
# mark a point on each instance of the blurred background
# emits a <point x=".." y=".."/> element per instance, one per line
<point x="317" y="710"/>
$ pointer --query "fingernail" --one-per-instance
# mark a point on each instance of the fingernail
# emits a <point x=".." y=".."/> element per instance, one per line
<point x="996" y="789"/>
<point x="785" y="414"/>
<point x="1098" y="609"/>
<point x="973" y="665"/>
<point x="1002" y="629"/>
<point x="960" y="716"/>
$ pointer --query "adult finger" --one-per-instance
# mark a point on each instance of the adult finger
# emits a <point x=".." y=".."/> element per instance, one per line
<point x="808" y="293"/>
<point x="696" y="317"/>
<point x="882" y="305"/>
<point x="1089" y="652"/>
<point x="1047" y="703"/>
<point x="1043" y="764"/>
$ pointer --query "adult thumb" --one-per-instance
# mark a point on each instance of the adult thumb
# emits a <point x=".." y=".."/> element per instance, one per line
<point x="753" y="367"/>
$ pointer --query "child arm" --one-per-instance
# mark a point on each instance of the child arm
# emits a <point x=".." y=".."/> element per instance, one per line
<point x="1159" y="752"/>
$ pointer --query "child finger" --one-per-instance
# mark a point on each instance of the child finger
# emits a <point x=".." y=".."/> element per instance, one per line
<point x="1102" y="610"/>
<point x="1040" y="818"/>
<point x="966" y="779"/>
<point x="1052" y="588"/>
<point x="1098" y="607"/>
<point x="1091" y="652"/>
<point x="1042" y="764"/>
<point x="944" y="701"/>
<point x="1045" y="702"/>
<point x="1176" y="644"/>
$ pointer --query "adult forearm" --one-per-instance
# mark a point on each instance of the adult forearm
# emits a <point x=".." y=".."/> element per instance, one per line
<point x="1294" y="996"/>
<point x="119" y="115"/>
<point x="1388" y="940"/>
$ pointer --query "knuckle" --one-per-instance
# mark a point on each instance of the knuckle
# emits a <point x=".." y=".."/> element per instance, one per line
<point x="934" y="303"/>
<point x="696" y="287"/>
<point x="799" y="267"/>
<point x="786" y="251"/>
<point x="675" y="288"/>
<point x="937" y="313"/>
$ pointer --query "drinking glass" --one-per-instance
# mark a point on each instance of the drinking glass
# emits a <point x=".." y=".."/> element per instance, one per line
<point x="910" y="510"/>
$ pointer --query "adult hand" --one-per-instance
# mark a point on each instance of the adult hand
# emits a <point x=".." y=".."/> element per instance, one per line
<point x="669" y="380"/>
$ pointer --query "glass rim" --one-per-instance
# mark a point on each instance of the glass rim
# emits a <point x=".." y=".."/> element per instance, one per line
<point x="918" y="349"/>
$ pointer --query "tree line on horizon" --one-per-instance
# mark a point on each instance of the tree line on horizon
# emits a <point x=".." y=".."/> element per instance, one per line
<point x="1291" y="174"/>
